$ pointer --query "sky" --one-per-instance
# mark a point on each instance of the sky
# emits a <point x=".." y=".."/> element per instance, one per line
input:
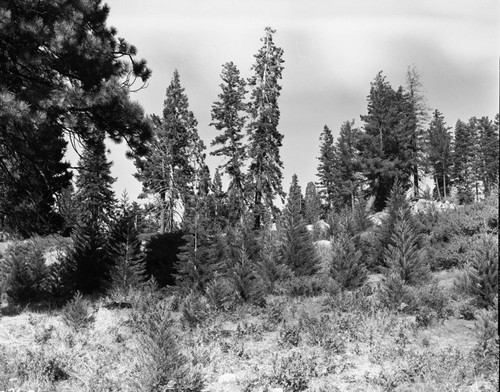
<point x="332" y="50"/>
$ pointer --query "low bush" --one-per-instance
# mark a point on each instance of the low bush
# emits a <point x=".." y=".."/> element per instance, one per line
<point x="289" y="335"/>
<point x="293" y="372"/>
<point x="305" y="286"/>
<point x="77" y="313"/>
<point x="194" y="310"/>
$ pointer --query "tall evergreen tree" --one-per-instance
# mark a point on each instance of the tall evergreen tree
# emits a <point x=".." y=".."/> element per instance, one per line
<point x="61" y="66"/>
<point x="175" y="164"/>
<point x="487" y="132"/>
<point x="264" y="173"/>
<point x="464" y="160"/>
<point x="312" y="204"/>
<point x="89" y="262"/>
<point x="387" y="146"/>
<point x="439" y="154"/>
<point x="328" y="170"/>
<point x="228" y="117"/>
<point x="414" y="92"/>
<point x="95" y="195"/>
<point x="348" y="165"/>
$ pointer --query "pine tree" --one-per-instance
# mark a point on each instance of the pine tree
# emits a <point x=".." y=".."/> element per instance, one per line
<point x="297" y="250"/>
<point x="488" y="153"/>
<point x="404" y="256"/>
<point x="95" y="195"/>
<point x="439" y="153"/>
<point x="480" y="277"/>
<point x="227" y="117"/>
<point x="175" y="164"/>
<point x="89" y="262"/>
<point x="129" y="267"/>
<point x="62" y="66"/>
<point x="397" y="208"/>
<point x="414" y="91"/>
<point x="312" y="204"/>
<point x="348" y="167"/>
<point x="388" y="149"/>
<point x="328" y="171"/>
<point x="463" y="160"/>
<point x="264" y="173"/>
<point x="347" y="267"/>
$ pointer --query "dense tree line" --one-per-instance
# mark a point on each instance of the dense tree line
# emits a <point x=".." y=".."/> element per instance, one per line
<point x="394" y="145"/>
<point x="66" y="76"/>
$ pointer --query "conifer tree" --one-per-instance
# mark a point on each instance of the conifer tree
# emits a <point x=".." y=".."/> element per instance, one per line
<point x="347" y="267"/>
<point x="95" y="195"/>
<point x="175" y="164"/>
<point x="129" y="267"/>
<point x="403" y="256"/>
<point x="297" y="250"/>
<point x="480" y="278"/>
<point x="264" y="173"/>
<point x="228" y="117"/>
<point x="312" y="204"/>
<point x="62" y="66"/>
<point x="488" y="153"/>
<point x="463" y="160"/>
<point x="398" y="208"/>
<point x="348" y="166"/>
<point x="387" y="147"/>
<point x="414" y="92"/>
<point x="439" y="153"/>
<point x="90" y="259"/>
<point x="328" y="170"/>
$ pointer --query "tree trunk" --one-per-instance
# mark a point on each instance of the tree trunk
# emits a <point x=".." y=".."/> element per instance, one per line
<point x="415" y="182"/>
<point x="437" y="186"/>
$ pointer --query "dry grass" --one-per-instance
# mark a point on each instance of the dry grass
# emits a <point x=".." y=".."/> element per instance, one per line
<point x="300" y="344"/>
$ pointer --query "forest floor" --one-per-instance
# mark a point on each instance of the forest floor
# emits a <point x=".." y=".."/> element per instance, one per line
<point x="322" y="343"/>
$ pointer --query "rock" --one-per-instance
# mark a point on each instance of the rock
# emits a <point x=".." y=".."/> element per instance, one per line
<point x="228" y="378"/>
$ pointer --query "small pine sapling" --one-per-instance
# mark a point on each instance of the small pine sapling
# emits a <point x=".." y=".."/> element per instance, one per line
<point x="480" y="278"/>
<point x="347" y="267"/>
<point x="241" y="274"/>
<point x="403" y="255"/>
<point x="129" y="269"/>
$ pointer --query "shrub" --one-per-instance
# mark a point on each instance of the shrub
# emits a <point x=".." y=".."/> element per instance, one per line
<point x="219" y="294"/>
<point x="38" y="365"/>
<point x="347" y="267"/>
<point x="433" y="299"/>
<point x="194" y="310"/>
<point x="293" y="372"/>
<point x="76" y="313"/>
<point x="395" y="294"/>
<point x="289" y="335"/>
<point x="305" y="286"/>
<point x="480" y="277"/>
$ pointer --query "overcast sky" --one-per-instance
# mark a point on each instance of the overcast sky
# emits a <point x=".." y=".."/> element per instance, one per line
<point x="332" y="52"/>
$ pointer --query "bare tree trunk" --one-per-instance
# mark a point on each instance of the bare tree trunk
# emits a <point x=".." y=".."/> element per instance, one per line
<point x="437" y="186"/>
